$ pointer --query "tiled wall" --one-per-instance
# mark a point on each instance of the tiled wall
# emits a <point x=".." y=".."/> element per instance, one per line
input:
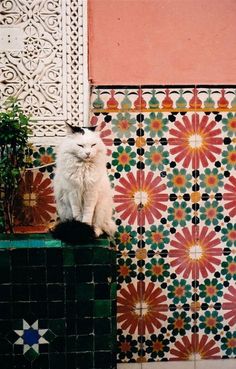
<point x="171" y="162"/>
<point x="172" y="159"/>
<point x="57" y="305"/>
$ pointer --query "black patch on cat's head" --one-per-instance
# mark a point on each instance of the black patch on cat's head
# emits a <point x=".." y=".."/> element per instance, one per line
<point x="73" y="129"/>
<point x="91" y="128"/>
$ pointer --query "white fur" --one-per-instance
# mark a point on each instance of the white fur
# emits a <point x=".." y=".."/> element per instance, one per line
<point x="82" y="187"/>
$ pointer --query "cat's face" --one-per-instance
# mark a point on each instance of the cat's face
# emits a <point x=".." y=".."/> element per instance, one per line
<point x="84" y="143"/>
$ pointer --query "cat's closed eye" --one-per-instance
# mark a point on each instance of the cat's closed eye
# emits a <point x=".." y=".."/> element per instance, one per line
<point x="80" y="145"/>
<point x="93" y="145"/>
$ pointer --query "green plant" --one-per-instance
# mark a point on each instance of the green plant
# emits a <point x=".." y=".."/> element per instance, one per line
<point x="14" y="132"/>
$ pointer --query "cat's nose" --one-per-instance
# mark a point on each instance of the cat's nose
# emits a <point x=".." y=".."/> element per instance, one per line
<point x="87" y="154"/>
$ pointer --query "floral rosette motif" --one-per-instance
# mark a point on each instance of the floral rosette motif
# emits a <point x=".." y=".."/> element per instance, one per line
<point x="211" y="213"/>
<point x="211" y="322"/>
<point x="229" y="268"/>
<point x="123" y="158"/>
<point x="229" y="304"/>
<point x="229" y="157"/>
<point x="124" y="125"/>
<point x="140" y="198"/>
<point x="35" y="203"/>
<point x="179" y="180"/>
<point x="179" y="291"/>
<point x="157" y="237"/>
<point x="44" y="158"/>
<point x="156" y="125"/>
<point x="211" y="290"/>
<point x="130" y="301"/>
<point x="229" y="124"/>
<point x="126" y="346"/>
<point x="179" y="214"/>
<point x="156" y="158"/>
<point x="229" y="343"/>
<point x="157" y="270"/>
<point x="195" y="252"/>
<point x="126" y="270"/>
<point x="179" y="323"/>
<point x="229" y="234"/>
<point x="211" y="180"/>
<point x="157" y="346"/>
<point x="229" y="196"/>
<point x="126" y="237"/>
<point x="196" y="142"/>
<point x="188" y="347"/>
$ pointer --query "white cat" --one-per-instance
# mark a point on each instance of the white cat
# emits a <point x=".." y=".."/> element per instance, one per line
<point x="82" y="187"/>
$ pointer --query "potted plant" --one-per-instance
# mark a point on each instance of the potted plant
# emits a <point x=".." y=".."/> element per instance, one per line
<point x="14" y="132"/>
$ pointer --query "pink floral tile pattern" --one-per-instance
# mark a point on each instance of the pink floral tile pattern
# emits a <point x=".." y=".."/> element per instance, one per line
<point x="172" y="167"/>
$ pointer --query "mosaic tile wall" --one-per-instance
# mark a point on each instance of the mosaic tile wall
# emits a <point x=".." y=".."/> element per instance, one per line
<point x="172" y="159"/>
<point x="57" y="305"/>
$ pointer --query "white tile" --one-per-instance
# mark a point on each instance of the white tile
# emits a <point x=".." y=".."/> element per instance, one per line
<point x="129" y="366"/>
<point x="169" y="365"/>
<point x="160" y="365"/>
<point x="215" y="364"/>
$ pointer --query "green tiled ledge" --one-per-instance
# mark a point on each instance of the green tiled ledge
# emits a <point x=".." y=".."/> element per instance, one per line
<point x="41" y="240"/>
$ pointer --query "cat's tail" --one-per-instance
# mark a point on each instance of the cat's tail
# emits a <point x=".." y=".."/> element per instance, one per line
<point x="74" y="232"/>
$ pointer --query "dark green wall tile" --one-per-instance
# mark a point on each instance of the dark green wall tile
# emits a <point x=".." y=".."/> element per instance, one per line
<point x="5" y="293"/>
<point x="102" y="291"/>
<point x="84" y="273"/>
<point x="37" y="257"/>
<point x="38" y="293"/>
<point x="20" y="292"/>
<point x="71" y="343"/>
<point x="102" y="308"/>
<point x="57" y="326"/>
<point x="83" y="256"/>
<point x="85" y="310"/>
<point x="84" y="291"/>
<point x="102" y="325"/>
<point x="85" y="343"/>
<point x="102" y="359"/>
<point x="102" y="274"/>
<point x="103" y="342"/>
<point x="68" y="257"/>
<point x="85" y="360"/>
<point x="19" y="257"/>
<point x="101" y="256"/>
<point x="4" y="258"/>
<point x="85" y="325"/>
<point x="113" y="291"/>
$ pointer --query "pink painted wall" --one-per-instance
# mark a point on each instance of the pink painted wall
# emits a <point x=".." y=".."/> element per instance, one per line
<point x="162" y="41"/>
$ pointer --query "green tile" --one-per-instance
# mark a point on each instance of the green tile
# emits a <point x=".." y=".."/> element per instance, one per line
<point x="113" y="291"/>
<point x="4" y="258"/>
<point x="102" y="325"/>
<point x="31" y="354"/>
<point x="68" y="257"/>
<point x="53" y="243"/>
<point x="4" y="244"/>
<point x="85" y="360"/>
<point x="103" y="342"/>
<point x="49" y="336"/>
<point x="85" y="342"/>
<point x="84" y="291"/>
<point x="102" y="308"/>
<point x="101" y="256"/>
<point x="84" y="256"/>
<point x="57" y="326"/>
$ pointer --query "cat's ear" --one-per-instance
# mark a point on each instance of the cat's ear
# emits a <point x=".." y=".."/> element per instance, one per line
<point x="92" y="128"/>
<point x="71" y="129"/>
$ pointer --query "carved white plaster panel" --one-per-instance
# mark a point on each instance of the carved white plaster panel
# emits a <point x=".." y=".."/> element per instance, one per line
<point x="48" y="74"/>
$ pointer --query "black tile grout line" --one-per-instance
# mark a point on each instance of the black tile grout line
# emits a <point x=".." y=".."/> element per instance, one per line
<point x="165" y="86"/>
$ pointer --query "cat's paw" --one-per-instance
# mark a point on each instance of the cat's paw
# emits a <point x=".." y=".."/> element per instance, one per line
<point x="98" y="231"/>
